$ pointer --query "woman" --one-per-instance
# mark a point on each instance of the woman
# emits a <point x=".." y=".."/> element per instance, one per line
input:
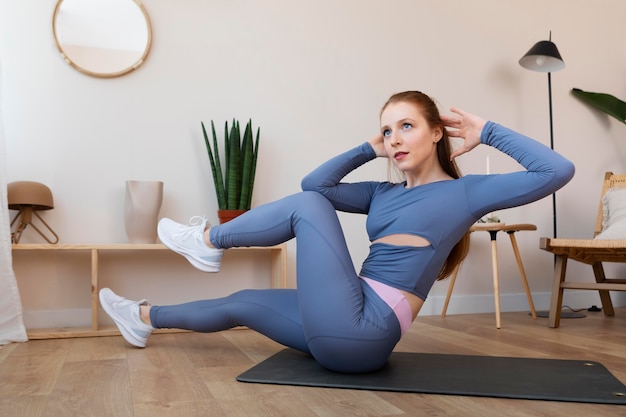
<point x="349" y="321"/>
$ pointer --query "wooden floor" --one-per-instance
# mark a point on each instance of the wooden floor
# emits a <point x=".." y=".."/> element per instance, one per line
<point x="189" y="374"/>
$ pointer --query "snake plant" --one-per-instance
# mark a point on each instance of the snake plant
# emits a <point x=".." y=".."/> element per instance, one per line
<point x="604" y="102"/>
<point x="234" y="183"/>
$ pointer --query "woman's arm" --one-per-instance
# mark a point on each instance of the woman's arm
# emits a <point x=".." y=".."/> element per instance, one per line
<point x="546" y="170"/>
<point x="326" y="180"/>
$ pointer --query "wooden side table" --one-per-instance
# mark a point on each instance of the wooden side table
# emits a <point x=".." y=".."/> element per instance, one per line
<point x="493" y="229"/>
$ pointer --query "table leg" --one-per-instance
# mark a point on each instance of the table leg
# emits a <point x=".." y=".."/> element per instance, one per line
<point x="450" y="288"/>
<point x="523" y="274"/>
<point x="494" y="267"/>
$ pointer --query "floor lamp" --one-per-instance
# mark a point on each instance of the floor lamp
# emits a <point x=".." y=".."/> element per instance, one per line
<point x="544" y="57"/>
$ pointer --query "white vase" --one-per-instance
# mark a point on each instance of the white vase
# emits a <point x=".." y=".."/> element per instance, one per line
<point x="141" y="210"/>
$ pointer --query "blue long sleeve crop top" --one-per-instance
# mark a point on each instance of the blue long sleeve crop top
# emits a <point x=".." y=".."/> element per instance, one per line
<point x="442" y="211"/>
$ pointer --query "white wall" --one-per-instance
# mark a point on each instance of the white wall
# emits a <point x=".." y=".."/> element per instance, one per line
<point x="313" y="75"/>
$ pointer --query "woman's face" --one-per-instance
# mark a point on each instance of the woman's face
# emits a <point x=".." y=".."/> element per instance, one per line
<point x="410" y="142"/>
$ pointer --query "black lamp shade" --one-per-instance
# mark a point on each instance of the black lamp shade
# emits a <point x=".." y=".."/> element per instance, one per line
<point x="543" y="57"/>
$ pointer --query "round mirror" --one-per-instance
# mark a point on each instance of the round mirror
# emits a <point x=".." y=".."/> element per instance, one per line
<point x="102" y="38"/>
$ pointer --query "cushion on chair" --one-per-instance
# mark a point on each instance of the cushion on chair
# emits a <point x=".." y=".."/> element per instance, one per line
<point x="614" y="214"/>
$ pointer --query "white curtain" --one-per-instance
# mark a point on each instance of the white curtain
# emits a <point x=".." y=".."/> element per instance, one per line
<point x="11" y="321"/>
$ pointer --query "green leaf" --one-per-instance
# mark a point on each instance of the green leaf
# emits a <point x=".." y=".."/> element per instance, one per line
<point x="234" y="167"/>
<point x="227" y="160"/>
<point x="604" y="102"/>
<point x="216" y="168"/>
<point x="246" y="161"/>
<point x="254" y="159"/>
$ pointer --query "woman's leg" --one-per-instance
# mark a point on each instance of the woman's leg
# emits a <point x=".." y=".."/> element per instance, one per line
<point x="333" y="315"/>
<point x="273" y="312"/>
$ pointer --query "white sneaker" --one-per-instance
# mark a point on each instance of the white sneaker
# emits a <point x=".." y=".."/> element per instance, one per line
<point x="125" y="314"/>
<point x="188" y="240"/>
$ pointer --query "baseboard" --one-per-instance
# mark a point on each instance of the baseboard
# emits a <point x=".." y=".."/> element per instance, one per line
<point x="484" y="303"/>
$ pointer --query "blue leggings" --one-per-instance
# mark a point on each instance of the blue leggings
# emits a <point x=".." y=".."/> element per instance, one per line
<point x="332" y="315"/>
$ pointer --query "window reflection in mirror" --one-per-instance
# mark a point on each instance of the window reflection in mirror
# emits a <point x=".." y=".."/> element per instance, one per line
<point x="102" y="38"/>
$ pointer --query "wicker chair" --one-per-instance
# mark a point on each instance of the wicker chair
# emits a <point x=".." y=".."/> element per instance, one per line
<point x="589" y="251"/>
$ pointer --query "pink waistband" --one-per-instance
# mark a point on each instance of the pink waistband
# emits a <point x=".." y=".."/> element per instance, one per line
<point x="394" y="298"/>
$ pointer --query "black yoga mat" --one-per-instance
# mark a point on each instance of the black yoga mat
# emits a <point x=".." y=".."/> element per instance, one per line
<point x="483" y="376"/>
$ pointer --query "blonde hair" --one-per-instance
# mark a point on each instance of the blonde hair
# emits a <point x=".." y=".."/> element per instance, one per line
<point x="429" y="110"/>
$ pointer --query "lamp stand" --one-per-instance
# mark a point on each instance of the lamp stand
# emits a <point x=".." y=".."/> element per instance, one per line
<point x="25" y="217"/>
<point x="552" y="147"/>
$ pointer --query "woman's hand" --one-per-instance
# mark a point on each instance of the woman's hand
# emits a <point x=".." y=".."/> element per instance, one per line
<point x="378" y="145"/>
<point x="465" y="126"/>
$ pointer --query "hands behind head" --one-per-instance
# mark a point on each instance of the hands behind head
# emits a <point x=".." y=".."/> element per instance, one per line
<point x="465" y="126"/>
<point x="378" y="145"/>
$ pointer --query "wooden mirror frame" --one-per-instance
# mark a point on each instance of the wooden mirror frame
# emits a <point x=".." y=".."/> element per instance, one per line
<point x="94" y="73"/>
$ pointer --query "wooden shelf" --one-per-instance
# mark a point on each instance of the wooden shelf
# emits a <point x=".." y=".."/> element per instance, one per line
<point x="278" y="279"/>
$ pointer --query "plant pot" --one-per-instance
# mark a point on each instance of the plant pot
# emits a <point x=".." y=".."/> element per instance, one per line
<point x="228" y="215"/>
